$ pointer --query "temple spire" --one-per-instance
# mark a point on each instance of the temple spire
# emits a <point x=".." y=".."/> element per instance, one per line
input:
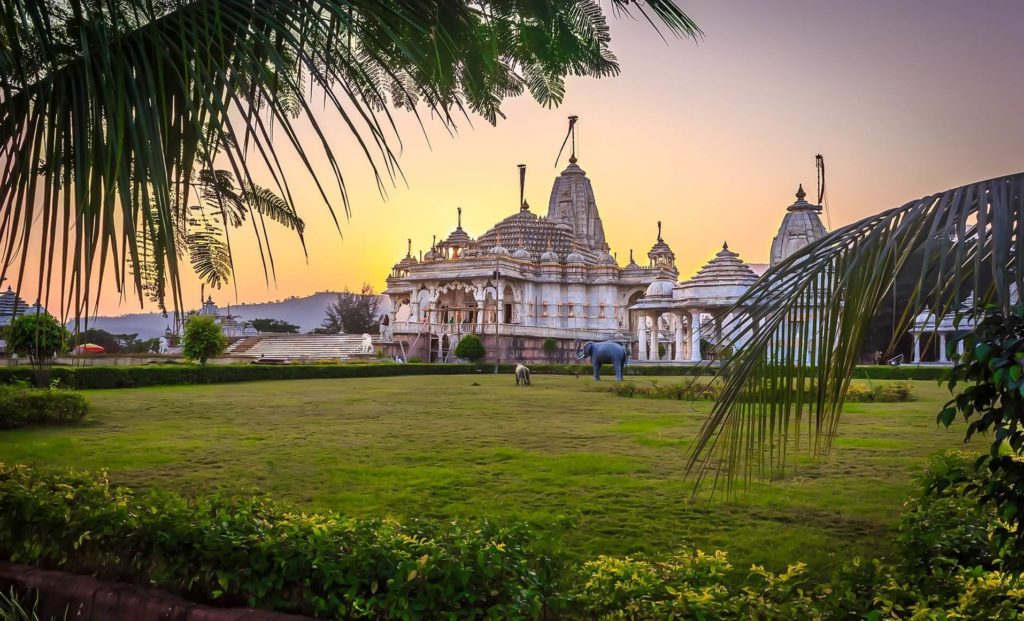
<point x="659" y="231"/>
<point x="522" y="188"/>
<point x="800" y="194"/>
<point x="408" y="248"/>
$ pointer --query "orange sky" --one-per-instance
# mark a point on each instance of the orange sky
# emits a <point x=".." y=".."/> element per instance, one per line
<point x="903" y="99"/>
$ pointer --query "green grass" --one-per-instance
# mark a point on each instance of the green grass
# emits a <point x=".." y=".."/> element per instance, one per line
<point x="598" y="473"/>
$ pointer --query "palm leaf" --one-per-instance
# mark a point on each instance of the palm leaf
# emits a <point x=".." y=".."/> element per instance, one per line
<point x="801" y="325"/>
<point x="108" y="110"/>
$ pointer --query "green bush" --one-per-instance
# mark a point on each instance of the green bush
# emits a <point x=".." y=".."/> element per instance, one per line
<point x="38" y="336"/>
<point x="700" y="390"/>
<point x="256" y="552"/>
<point x="470" y="348"/>
<point x="550" y="346"/>
<point x="22" y="405"/>
<point x="892" y="392"/>
<point x="203" y="339"/>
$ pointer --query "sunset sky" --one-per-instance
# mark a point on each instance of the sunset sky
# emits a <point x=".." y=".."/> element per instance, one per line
<point x="902" y="98"/>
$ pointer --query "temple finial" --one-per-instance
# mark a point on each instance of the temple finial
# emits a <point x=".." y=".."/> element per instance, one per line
<point x="408" y="247"/>
<point x="522" y="187"/>
<point x="725" y="245"/>
<point x="459" y="225"/>
<point x="631" y="255"/>
<point x="659" y="230"/>
<point x="800" y="194"/>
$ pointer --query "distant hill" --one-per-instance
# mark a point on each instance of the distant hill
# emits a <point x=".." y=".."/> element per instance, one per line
<point x="305" y="312"/>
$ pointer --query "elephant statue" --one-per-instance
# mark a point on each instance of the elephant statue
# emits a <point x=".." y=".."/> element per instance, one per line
<point x="605" y="352"/>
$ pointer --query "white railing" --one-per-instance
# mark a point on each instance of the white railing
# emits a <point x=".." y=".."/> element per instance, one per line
<point x="408" y="328"/>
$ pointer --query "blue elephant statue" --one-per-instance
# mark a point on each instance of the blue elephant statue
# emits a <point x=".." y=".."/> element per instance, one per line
<point x="605" y="352"/>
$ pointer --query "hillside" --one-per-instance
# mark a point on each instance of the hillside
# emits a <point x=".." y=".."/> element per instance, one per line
<point x="305" y="312"/>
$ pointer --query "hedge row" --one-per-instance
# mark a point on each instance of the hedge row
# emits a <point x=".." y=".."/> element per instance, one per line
<point x="257" y="552"/>
<point x="171" y="374"/>
<point x="21" y="405"/>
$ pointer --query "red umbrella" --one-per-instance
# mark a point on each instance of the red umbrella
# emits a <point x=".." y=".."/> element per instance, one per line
<point x="90" y="348"/>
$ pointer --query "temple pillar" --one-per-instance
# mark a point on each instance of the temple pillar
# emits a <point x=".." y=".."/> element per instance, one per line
<point x="678" y="357"/>
<point x="917" y="348"/>
<point x="695" y="336"/>
<point x="960" y="347"/>
<point x="641" y="336"/>
<point x="942" y="347"/>
<point x="655" y="354"/>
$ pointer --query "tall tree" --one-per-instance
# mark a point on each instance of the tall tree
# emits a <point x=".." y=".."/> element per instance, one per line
<point x="118" y="117"/>
<point x="352" y="313"/>
<point x="804" y="322"/>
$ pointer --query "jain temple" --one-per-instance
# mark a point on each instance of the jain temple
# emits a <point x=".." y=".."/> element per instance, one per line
<point x="539" y="283"/>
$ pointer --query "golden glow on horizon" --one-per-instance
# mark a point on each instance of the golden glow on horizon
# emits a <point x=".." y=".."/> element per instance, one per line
<point x="712" y="139"/>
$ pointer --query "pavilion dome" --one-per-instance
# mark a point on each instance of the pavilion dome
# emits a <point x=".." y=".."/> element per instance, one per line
<point x="458" y="238"/>
<point x="499" y="250"/>
<point x="661" y="288"/>
<point x="800" y="226"/>
<point x="660" y="254"/>
<point x="725" y="269"/>
<point x="605" y="258"/>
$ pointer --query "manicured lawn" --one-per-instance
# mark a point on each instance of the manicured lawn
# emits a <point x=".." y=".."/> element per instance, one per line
<point x="596" y="472"/>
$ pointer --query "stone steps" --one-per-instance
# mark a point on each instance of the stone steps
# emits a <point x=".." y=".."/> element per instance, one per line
<point x="308" y="346"/>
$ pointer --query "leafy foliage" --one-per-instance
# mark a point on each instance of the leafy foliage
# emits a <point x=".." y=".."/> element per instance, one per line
<point x="273" y="325"/>
<point x="470" y="348"/>
<point x="253" y="551"/>
<point x="38" y="336"/>
<point x="352" y="313"/>
<point x="801" y="325"/>
<point x="203" y="339"/>
<point x="117" y="343"/>
<point x="117" y="118"/>
<point x="22" y="405"/>
<point x="993" y="403"/>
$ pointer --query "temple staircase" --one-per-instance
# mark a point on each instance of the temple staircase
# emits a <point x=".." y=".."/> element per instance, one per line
<point x="296" y="347"/>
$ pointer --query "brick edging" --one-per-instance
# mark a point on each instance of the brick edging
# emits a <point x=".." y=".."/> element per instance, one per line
<point x="85" y="598"/>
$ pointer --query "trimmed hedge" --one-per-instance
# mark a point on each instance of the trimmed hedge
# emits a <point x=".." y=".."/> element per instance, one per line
<point x="21" y="405"/>
<point x="172" y="374"/>
<point x="257" y="552"/>
<point x="254" y="551"/>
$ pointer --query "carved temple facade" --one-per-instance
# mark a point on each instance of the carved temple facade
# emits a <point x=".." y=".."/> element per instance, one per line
<point x="533" y="286"/>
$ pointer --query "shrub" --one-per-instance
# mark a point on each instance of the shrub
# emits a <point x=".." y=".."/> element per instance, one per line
<point x="992" y="366"/>
<point x="470" y="348"/>
<point x="203" y="339"/>
<point x="891" y="392"/>
<point x="256" y="552"/>
<point x="21" y="405"/>
<point x="550" y="346"/>
<point x="685" y="391"/>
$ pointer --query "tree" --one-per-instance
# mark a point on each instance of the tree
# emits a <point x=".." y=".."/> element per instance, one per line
<point x="274" y="325"/>
<point x="352" y="313"/>
<point x="550" y="347"/>
<point x="152" y="117"/>
<point x="38" y="336"/>
<point x="803" y="323"/>
<point x="470" y="348"/>
<point x="993" y="402"/>
<point x="203" y="339"/>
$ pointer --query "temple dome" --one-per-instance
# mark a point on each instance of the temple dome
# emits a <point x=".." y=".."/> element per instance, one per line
<point x="550" y="256"/>
<point x="725" y="269"/>
<point x="661" y="288"/>
<point x="522" y="254"/>
<point x="800" y="226"/>
<point x="499" y="250"/>
<point x="536" y="234"/>
<point x="575" y="257"/>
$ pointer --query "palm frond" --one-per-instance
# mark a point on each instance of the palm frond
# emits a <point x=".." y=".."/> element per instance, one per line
<point x="110" y="111"/>
<point x="800" y="326"/>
